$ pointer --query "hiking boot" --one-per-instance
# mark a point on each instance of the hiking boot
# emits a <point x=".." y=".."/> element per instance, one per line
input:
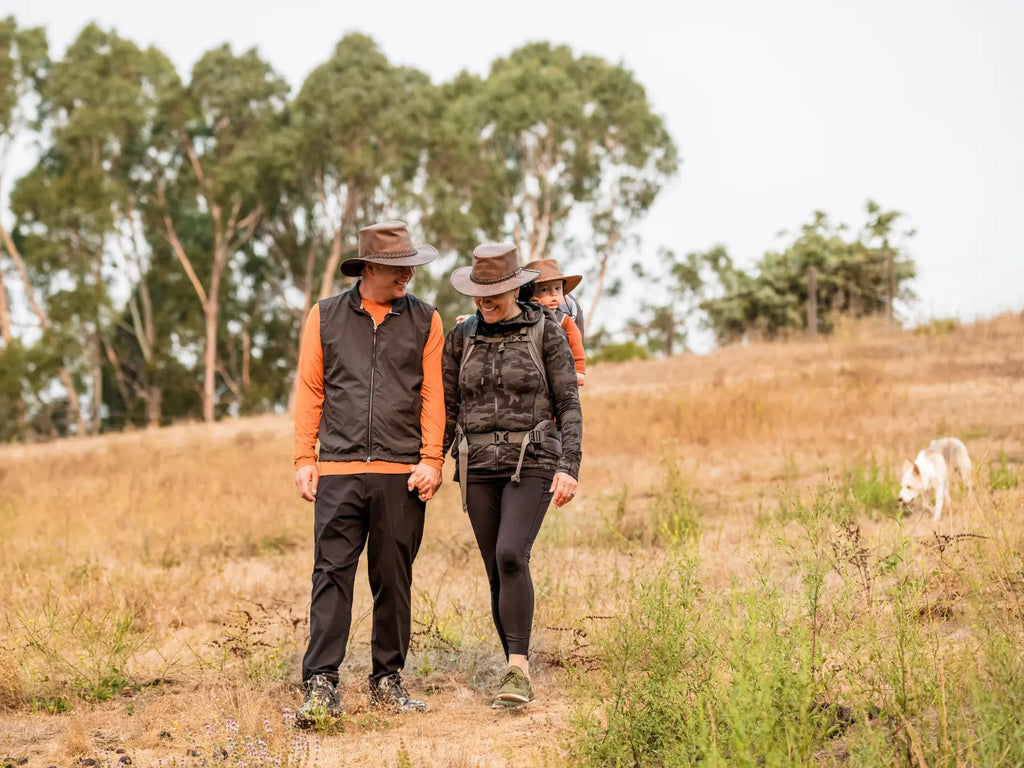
<point x="388" y="692"/>
<point x="321" y="702"/>
<point x="515" y="690"/>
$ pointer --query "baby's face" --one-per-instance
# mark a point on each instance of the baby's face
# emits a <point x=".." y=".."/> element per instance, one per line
<point x="549" y="294"/>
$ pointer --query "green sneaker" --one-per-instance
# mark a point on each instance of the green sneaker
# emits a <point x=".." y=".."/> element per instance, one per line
<point x="515" y="690"/>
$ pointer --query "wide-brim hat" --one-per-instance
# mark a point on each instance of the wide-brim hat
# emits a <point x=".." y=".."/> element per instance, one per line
<point x="495" y="270"/>
<point x="387" y="243"/>
<point x="549" y="271"/>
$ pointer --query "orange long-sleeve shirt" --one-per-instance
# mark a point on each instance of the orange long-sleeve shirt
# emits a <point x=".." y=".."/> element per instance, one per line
<point x="309" y="400"/>
<point x="579" y="358"/>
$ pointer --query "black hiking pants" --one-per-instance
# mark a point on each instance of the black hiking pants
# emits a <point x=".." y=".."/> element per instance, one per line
<point x="506" y="518"/>
<point x="352" y="512"/>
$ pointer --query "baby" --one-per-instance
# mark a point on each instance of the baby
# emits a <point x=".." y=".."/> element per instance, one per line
<point x="549" y="289"/>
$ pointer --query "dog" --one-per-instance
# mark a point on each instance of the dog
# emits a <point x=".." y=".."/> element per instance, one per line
<point x="931" y="470"/>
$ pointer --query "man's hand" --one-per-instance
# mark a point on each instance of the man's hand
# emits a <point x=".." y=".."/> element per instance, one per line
<point x="425" y="479"/>
<point x="581" y="379"/>
<point x="563" y="488"/>
<point x="460" y="318"/>
<point x="306" y="480"/>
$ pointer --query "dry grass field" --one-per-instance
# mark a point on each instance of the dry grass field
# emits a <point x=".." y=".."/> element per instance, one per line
<point x="734" y="584"/>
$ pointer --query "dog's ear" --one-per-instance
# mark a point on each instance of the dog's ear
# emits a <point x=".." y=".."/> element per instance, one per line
<point x="917" y="470"/>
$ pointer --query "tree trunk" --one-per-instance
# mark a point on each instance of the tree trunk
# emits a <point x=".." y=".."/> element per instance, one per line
<point x="333" y="260"/>
<point x="19" y="264"/>
<point x="605" y="257"/>
<point x="153" y="398"/>
<point x="97" y="360"/>
<point x="246" y="358"/>
<point x="212" y="312"/>
<point x="348" y="217"/>
<point x="890" y="288"/>
<point x="812" y="302"/>
<point x="21" y="418"/>
<point x="119" y="379"/>
<point x="5" y="314"/>
<point x="74" y="404"/>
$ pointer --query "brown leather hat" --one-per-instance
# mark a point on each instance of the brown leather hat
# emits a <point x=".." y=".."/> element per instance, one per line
<point x="495" y="270"/>
<point x="387" y="243"/>
<point x="549" y="270"/>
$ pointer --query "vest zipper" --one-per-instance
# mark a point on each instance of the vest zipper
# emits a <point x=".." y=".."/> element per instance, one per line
<point x="373" y="370"/>
<point x="369" y="410"/>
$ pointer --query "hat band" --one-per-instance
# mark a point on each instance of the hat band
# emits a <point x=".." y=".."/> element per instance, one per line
<point x="401" y="255"/>
<point x="492" y="280"/>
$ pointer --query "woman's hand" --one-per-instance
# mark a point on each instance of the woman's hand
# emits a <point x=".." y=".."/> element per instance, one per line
<point x="563" y="488"/>
<point x="424" y="479"/>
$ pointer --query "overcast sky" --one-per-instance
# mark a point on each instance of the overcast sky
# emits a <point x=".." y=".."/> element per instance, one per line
<point x="778" y="108"/>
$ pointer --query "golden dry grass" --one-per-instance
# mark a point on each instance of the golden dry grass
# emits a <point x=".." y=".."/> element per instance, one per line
<point x="180" y="558"/>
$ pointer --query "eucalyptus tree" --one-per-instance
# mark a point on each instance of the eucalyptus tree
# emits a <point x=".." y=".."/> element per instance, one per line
<point x="208" y="200"/>
<point x="23" y="64"/>
<point x="462" y="203"/>
<point x="673" y="288"/>
<point x="359" y="128"/>
<point x="24" y="67"/>
<point x="81" y="209"/>
<point x="349" y="155"/>
<point x="551" y="141"/>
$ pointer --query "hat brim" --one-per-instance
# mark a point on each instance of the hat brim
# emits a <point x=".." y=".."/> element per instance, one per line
<point x="425" y="254"/>
<point x="570" y="281"/>
<point x="462" y="282"/>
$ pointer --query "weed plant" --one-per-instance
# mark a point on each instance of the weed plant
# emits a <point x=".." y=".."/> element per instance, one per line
<point x="874" y="487"/>
<point x="1002" y="476"/>
<point x="835" y="654"/>
<point x="79" y="644"/>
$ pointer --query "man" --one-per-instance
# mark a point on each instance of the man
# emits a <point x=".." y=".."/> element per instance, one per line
<point x="369" y="387"/>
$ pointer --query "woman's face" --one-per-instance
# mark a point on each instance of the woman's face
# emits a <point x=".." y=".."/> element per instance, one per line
<point x="500" y="307"/>
<point x="549" y="294"/>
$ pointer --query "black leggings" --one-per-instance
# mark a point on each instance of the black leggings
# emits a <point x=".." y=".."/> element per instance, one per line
<point x="506" y="518"/>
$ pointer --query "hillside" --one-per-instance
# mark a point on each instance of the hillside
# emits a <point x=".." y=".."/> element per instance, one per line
<point x="154" y="585"/>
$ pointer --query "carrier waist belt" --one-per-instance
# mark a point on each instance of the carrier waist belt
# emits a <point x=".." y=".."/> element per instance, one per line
<point x="499" y="437"/>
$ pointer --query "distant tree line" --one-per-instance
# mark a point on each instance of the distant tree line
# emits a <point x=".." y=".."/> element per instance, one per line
<point x="160" y="254"/>
<point x="826" y="273"/>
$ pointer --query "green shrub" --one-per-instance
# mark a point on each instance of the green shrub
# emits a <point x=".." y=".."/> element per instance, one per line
<point x="937" y="326"/>
<point x="83" y="644"/>
<point x="618" y="353"/>
<point x="675" y="510"/>
<point x="1003" y="477"/>
<point x="874" y="487"/>
<point x="996" y="701"/>
<point x="645" y="705"/>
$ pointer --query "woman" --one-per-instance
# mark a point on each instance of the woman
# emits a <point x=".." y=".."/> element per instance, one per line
<point x="514" y="424"/>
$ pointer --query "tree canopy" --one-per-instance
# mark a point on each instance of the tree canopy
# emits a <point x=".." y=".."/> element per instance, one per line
<point x="159" y="256"/>
<point x="825" y="273"/>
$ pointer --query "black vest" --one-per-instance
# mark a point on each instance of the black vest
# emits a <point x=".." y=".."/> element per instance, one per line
<point x="372" y="379"/>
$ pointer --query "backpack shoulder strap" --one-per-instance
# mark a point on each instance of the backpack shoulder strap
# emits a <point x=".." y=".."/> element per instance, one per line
<point x="468" y="339"/>
<point x="536" y="337"/>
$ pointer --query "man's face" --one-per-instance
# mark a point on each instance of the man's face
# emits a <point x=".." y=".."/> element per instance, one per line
<point x="387" y="283"/>
<point x="549" y="294"/>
